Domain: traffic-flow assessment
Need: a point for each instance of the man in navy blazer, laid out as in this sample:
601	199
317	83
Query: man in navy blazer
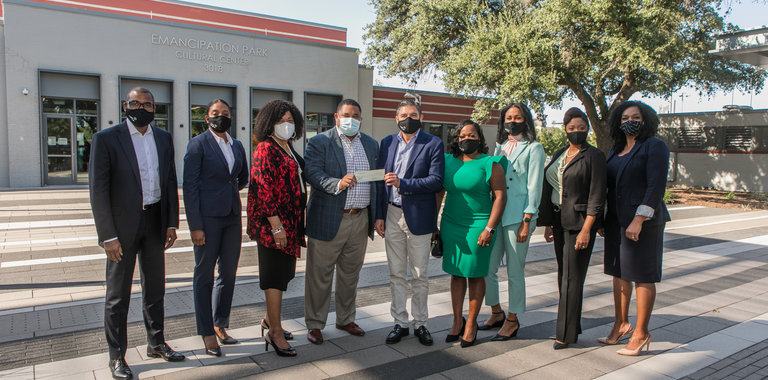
407	214
340	215
135	204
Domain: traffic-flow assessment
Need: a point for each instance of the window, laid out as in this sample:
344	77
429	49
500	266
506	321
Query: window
319	110
738	139
162	92
199	97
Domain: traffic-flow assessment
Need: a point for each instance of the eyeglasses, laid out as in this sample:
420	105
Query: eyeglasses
135	104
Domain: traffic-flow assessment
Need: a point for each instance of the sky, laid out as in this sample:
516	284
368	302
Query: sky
356	14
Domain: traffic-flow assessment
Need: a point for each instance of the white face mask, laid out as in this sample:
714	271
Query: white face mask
285	131
349	126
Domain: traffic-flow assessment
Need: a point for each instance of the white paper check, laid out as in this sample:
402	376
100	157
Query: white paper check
370	175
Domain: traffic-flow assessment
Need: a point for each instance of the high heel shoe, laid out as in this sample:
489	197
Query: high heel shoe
264	326
211	351
605	340
465	344
227	340
494	325
646	343
290	351
500	338
452	338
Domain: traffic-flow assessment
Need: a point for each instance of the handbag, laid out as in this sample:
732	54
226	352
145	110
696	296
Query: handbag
437	246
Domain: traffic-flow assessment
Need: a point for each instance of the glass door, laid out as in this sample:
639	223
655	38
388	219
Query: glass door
58	138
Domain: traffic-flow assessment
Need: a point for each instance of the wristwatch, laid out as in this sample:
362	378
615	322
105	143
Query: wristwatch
277	230
526	219
490	230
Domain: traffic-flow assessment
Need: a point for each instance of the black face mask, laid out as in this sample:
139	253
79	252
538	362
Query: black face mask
409	125
469	146
220	123
514	128
139	117
577	137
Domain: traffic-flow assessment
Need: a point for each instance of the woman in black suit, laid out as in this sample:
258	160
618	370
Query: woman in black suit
571	209
635	219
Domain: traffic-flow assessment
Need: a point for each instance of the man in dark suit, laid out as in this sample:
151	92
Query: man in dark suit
407	210
340	215
135	203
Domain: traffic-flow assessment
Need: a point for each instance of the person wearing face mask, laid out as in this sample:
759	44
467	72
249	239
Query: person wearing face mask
571	209
515	140
407	214
215	170
340	216
276	199
468	225
135	203
635	218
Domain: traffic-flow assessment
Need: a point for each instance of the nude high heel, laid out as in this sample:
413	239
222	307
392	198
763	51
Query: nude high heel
627	352
605	340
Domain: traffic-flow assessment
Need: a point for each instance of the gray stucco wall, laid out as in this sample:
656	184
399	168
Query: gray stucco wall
50	38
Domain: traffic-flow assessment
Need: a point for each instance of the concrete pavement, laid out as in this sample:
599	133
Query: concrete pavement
710	319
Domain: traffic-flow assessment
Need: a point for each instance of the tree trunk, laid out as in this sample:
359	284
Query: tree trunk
603	135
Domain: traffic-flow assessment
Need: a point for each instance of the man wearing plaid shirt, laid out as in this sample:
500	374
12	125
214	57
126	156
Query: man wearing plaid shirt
340	215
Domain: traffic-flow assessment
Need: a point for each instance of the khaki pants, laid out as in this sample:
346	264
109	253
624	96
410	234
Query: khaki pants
345	254
407	251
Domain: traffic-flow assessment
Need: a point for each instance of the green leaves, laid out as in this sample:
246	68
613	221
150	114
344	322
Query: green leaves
601	51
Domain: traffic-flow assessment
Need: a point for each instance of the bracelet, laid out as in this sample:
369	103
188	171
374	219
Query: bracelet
277	230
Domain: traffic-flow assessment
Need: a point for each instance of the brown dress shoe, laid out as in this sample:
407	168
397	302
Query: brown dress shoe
315	336
351	328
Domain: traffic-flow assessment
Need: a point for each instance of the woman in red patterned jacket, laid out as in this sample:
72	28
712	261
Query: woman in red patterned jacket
276	200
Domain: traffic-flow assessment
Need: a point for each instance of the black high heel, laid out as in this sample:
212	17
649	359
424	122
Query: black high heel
290	351
212	351
465	343
452	338
496	324
499	337
264	326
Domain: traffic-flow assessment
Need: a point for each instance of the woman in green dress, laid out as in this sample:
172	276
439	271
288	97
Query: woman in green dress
475	200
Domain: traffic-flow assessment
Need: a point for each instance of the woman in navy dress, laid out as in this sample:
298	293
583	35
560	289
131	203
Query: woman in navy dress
637	168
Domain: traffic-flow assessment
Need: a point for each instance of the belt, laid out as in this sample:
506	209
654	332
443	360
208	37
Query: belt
396	205
352	211
148	207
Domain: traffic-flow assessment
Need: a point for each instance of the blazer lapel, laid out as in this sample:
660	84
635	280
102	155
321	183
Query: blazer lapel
215	147
390	164
579	156
338	150
124	137
522	145
415	151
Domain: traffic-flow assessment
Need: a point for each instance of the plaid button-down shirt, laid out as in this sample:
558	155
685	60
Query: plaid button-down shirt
358	196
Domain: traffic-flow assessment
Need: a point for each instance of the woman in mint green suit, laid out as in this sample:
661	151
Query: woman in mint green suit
516	140
475	198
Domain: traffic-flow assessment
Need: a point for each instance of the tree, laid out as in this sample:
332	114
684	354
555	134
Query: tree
601	51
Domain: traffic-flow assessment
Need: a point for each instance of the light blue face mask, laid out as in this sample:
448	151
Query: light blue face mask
349	126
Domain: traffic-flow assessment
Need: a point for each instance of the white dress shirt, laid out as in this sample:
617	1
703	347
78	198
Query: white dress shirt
149	167
226	149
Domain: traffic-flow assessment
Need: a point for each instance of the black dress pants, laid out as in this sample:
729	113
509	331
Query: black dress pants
572	268
148	247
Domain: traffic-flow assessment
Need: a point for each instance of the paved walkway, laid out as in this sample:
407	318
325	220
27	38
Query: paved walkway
710	318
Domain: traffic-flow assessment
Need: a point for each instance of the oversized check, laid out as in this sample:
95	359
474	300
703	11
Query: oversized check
370	175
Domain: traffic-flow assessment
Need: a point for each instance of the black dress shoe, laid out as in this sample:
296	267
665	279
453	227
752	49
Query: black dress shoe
397	333
120	369
452	338
500	338
164	351
425	337
559	346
